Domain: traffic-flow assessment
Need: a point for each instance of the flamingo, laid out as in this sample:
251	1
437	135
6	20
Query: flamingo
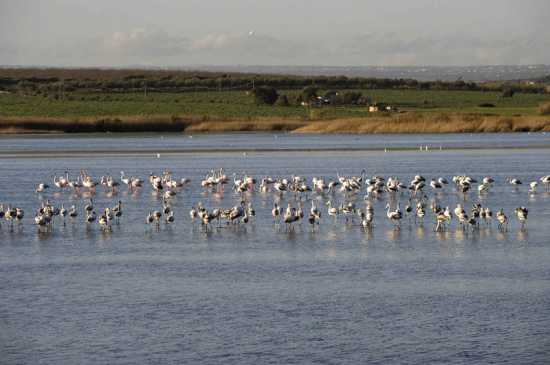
41	188
367	218
72	212
193	213
420	212
441	219
315	212
125	180
90	217
435	184
276	212
63	213
394	216
157	215
502	220
522	213
290	217
513	181
150	218
332	211
104	223
169	218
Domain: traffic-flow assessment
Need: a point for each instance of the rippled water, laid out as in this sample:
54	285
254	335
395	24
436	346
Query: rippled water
259	294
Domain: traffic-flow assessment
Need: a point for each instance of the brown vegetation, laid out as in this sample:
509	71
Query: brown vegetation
429	123
544	109
398	123
92	125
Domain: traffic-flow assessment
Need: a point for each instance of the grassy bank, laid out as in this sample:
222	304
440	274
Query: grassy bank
410	122
431	123
420	111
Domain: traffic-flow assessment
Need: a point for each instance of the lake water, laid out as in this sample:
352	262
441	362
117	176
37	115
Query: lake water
258	293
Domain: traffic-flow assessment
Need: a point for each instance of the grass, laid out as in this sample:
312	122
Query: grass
430	123
214	111
544	109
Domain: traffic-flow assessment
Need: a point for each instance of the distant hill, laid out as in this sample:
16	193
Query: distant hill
420	73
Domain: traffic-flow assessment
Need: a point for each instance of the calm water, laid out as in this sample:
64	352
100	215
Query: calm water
259	294
178	143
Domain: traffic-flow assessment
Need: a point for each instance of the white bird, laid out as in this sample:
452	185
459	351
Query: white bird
502	220
276	212
42	187
332	211
435	184
169	218
394	216
522	213
514	181
90	217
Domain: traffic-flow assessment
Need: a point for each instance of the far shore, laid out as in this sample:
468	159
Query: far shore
407	123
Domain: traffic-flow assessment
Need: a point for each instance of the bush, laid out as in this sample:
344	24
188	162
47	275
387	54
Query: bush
544	109
331	94
508	92
351	98
265	95
309	93
282	101
486	105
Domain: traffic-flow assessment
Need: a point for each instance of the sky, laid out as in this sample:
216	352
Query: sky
274	32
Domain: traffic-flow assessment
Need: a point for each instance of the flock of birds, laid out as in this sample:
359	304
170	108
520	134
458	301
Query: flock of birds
356	193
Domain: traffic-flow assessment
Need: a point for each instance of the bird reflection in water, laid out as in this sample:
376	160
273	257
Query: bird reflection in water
442	236
522	236
394	235
420	232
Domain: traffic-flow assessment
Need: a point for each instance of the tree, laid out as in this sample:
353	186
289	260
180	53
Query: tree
265	95
309	93
351	97
282	101
507	92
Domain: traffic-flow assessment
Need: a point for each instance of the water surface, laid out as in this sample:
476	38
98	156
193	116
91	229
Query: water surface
259	294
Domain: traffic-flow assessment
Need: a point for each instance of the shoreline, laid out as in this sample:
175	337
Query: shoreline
400	123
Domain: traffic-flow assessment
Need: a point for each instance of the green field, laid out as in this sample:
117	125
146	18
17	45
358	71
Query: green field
239	105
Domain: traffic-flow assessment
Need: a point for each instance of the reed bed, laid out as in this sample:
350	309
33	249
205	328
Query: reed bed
430	123
410	122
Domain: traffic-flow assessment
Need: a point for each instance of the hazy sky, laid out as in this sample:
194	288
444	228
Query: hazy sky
273	32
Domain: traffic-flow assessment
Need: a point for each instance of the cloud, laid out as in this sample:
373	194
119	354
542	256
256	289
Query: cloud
397	49
144	42
143	46
252	47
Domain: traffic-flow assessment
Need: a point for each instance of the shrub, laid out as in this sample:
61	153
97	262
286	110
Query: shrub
351	97
309	93
282	101
544	109
508	92
265	95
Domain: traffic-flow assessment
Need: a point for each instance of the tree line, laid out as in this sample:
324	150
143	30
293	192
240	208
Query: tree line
183	81
310	95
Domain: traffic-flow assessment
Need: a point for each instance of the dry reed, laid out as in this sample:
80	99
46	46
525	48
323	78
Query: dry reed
398	123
